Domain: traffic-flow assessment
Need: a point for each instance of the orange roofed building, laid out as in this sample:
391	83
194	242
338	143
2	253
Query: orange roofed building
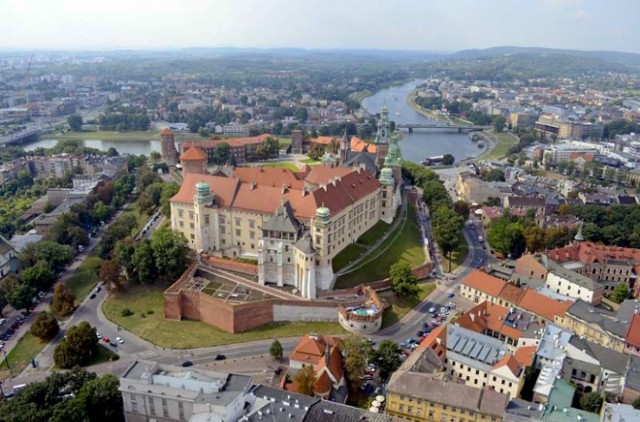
292	224
323	353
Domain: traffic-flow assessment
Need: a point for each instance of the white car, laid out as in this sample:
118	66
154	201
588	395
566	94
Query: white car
432	310
119	340
98	335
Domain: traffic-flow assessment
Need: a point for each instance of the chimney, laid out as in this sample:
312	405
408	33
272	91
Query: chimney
253	185
472	316
284	188
304	191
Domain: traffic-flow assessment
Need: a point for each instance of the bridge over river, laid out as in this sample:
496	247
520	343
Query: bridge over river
24	134
439	125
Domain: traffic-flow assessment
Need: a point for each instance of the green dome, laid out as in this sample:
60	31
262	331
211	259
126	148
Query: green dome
323	212
386	176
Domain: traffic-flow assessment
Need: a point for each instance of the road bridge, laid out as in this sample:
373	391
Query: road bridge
24	134
440	125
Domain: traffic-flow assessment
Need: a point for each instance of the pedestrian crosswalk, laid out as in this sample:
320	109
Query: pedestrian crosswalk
147	354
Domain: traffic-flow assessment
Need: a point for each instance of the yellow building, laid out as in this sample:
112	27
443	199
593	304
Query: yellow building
293	224
606	329
422	397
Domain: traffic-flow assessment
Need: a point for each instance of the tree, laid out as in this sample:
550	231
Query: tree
493	175
110	274
143	266
499	122
305	379
39	276
403	282
355	350
447	228
101	399
21	296
75	122
591	402
636	403
169	253
45	327
461	208
315	151
63	300
276	350
56	256
387	357
448	159
78	348
620	293
168	190
7	284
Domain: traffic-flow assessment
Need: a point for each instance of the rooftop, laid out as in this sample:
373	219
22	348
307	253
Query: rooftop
425	387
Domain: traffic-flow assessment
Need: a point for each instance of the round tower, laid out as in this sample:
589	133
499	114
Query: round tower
194	161
168	149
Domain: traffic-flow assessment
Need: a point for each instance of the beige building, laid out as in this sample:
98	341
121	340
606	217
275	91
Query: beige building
472	189
422	397
292	224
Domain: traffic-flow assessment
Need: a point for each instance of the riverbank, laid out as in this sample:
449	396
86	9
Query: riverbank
432	114
102	135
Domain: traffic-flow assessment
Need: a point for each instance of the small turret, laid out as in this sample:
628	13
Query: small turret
203	193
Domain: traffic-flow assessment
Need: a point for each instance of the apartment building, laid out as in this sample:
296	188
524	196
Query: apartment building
606	328
422	397
572	284
473	189
482	361
165	393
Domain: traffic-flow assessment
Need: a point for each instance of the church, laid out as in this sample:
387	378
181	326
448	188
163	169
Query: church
292	223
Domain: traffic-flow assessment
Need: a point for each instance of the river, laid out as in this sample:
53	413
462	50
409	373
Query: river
128	147
415	146
422	142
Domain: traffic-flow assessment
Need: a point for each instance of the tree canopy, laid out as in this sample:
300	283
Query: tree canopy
403	282
78	348
387	357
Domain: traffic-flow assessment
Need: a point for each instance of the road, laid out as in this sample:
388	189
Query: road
239	356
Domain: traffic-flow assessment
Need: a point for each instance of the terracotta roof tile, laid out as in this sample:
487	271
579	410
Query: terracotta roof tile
310	349
233	142
321	175
542	305
194	154
484	282
633	335
223	188
358	145
524	355
323	140
511	293
323	384
510	362
274	177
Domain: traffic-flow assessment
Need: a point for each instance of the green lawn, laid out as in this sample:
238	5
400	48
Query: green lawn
285	164
458	256
103	355
503	141
27	348
192	334
400	307
402	246
85	277
104	135
348	254
375	233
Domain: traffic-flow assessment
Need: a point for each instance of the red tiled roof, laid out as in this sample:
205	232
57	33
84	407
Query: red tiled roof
223	188
321	175
274	177
437	333
542	305
194	154
323	385
310	349
511	293
323	140
233	142
524	355
510	362
633	335
358	145
484	282
588	252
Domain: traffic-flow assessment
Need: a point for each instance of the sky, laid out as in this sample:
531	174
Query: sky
443	25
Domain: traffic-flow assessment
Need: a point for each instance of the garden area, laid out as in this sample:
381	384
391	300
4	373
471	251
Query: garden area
140	310
401	306
26	349
402	246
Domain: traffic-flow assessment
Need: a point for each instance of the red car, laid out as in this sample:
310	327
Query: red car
106	339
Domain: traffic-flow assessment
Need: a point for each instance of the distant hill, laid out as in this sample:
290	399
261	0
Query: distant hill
629	59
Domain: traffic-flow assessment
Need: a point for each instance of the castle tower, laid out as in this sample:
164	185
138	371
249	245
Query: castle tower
194	161
387	208
395	158
297	142
168	149
202	200
320	230
383	136
344	148
305	272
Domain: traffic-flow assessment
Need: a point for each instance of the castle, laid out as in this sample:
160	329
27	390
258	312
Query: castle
292	223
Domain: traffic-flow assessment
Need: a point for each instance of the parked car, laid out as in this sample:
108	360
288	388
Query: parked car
93	296
113	344
187	363
450	295
432	310
98	335
106	340
119	340
220	357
